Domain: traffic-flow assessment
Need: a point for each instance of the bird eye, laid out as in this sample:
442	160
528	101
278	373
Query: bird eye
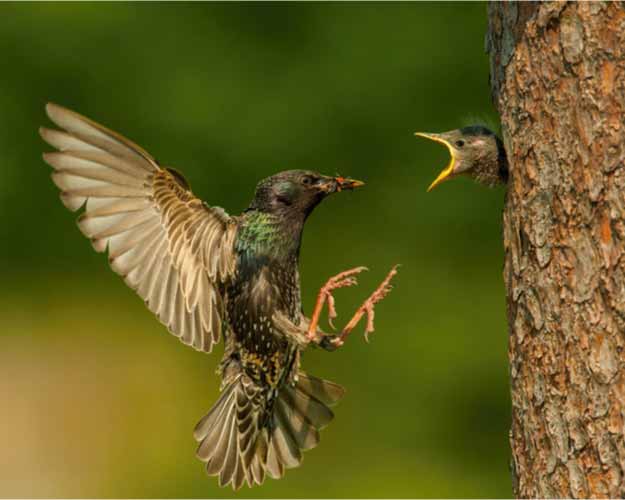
307	181
460	143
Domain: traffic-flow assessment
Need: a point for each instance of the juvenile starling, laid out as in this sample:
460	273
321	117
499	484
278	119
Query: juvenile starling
204	273
475	151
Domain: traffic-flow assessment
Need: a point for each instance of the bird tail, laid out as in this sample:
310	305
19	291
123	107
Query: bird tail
245	436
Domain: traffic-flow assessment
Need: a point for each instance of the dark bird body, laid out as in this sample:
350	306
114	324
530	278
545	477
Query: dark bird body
267	280
206	274
475	152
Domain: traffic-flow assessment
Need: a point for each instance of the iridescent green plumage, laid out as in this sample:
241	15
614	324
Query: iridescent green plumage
262	235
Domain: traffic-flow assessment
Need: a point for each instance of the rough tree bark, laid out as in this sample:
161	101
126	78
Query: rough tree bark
558	81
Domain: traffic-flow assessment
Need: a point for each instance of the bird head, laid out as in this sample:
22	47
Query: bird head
297	191
474	151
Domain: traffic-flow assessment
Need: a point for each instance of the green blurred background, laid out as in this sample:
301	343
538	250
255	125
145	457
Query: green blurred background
97	400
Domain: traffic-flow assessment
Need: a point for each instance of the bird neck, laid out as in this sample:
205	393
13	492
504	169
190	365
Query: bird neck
492	168
270	236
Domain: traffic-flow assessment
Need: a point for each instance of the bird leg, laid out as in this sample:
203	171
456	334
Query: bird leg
308	331
341	280
366	308
298	334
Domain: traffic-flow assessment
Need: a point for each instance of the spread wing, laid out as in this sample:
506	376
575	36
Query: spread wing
170	247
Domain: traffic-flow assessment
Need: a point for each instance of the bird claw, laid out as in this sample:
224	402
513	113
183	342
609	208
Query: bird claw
379	293
331	310
367	308
342	280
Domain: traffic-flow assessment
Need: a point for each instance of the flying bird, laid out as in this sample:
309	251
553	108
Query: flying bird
474	151
206	274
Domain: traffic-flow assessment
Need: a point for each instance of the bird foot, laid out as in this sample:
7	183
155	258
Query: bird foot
341	280
367	308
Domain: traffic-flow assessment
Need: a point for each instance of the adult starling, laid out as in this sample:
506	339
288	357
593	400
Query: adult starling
475	151
204	273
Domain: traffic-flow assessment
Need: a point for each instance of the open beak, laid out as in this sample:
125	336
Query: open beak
449	169
343	183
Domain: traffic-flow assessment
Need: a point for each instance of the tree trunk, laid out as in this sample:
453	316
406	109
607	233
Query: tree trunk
558	81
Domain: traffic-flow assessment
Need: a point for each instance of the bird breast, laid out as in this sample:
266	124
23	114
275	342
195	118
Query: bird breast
251	305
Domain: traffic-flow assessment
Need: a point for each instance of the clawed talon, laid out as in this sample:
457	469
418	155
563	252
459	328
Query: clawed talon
367	308
330	298
341	280
382	291
331	310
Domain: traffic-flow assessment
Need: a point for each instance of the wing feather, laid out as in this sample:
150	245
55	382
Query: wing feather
169	246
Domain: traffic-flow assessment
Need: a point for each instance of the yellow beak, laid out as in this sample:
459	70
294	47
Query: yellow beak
448	170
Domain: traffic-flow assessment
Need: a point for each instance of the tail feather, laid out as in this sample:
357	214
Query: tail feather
240	475
306	435
219	437
208	421
313	410
287	450
230	459
257	472
214	431
241	443
325	391
275	469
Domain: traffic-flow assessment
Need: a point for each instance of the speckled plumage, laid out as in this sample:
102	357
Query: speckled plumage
206	274
266	281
